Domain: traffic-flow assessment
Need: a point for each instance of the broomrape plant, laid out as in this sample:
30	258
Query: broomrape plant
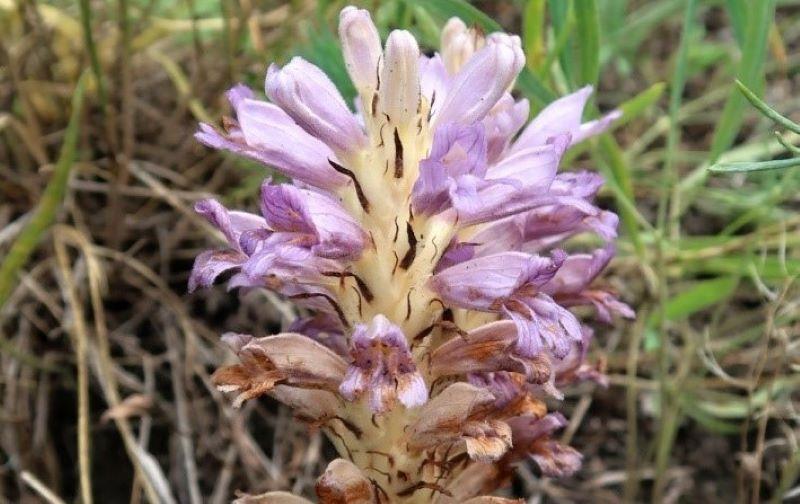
420	238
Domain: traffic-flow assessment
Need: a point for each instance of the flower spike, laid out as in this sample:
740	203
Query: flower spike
426	240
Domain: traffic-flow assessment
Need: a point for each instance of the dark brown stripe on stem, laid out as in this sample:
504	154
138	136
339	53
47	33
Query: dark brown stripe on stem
423	333
362	285
398	155
422	485
353	428
408	259
356	184
332	301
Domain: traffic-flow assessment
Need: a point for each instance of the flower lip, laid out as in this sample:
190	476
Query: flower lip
383	367
488	348
312	217
513	283
286	146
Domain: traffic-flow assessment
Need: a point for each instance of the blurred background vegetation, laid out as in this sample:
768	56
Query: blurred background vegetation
105	360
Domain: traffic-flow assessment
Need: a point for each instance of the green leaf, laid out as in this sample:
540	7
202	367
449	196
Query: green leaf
533	88
737	9
637	105
533	33
702	295
561	21
588	35
750	166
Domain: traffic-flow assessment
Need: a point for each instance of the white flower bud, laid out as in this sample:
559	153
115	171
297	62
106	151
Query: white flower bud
399	88
361	46
459	43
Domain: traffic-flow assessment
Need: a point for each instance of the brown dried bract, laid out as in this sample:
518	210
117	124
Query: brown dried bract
343	483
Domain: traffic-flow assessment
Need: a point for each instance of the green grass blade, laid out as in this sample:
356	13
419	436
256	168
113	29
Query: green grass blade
760	16
561	21
533	32
49	204
737	10
641	22
588	34
750	166
620	171
637	105
767	110
533	88
560	42
789	147
700	296
612	15
444	9
91	47
704	418
43	216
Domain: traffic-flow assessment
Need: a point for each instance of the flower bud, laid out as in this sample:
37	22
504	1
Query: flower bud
459	43
312	100
482	82
361	47
399	88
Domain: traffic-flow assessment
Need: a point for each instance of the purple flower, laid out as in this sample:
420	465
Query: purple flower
461	414
400	89
571	284
564	116
433	81
482	81
383	367
312	219
265	132
513	283
323	328
575	366
457	160
542	228
292	359
459	43
503	122
211	264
